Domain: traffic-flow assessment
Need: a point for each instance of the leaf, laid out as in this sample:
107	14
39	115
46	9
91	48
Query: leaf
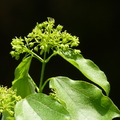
6	116
84	101
40	107
23	82
88	68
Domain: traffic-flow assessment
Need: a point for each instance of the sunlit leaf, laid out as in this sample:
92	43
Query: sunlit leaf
40	107
84	101
88	68
23	82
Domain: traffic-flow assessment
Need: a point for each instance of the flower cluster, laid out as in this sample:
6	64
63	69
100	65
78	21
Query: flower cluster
43	38
8	100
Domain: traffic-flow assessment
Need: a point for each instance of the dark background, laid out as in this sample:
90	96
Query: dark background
96	23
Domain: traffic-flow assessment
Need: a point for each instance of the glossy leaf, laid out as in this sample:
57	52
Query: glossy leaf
84	101
23	82
40	107
88	68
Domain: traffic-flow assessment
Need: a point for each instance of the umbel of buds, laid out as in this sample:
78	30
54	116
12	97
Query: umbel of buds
8	99
43	38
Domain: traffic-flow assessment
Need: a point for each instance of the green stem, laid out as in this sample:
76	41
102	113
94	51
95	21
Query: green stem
42	73
35	55
54	53
44	84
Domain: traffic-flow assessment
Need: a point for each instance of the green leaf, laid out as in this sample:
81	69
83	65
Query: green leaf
40	107
88	68
7	116
84	101
23	82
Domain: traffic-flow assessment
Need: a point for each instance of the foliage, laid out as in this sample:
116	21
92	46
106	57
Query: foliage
69	99
8	99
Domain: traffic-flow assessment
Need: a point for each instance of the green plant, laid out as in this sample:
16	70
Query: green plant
8	99
69	99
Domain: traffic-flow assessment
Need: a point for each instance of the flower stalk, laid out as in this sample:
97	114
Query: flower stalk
42	73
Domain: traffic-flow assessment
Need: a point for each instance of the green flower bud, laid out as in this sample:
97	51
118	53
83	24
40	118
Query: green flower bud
31	44
43	38
8	99
36	48
59	27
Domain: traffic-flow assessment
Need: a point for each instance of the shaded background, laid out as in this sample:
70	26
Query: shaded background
96	23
